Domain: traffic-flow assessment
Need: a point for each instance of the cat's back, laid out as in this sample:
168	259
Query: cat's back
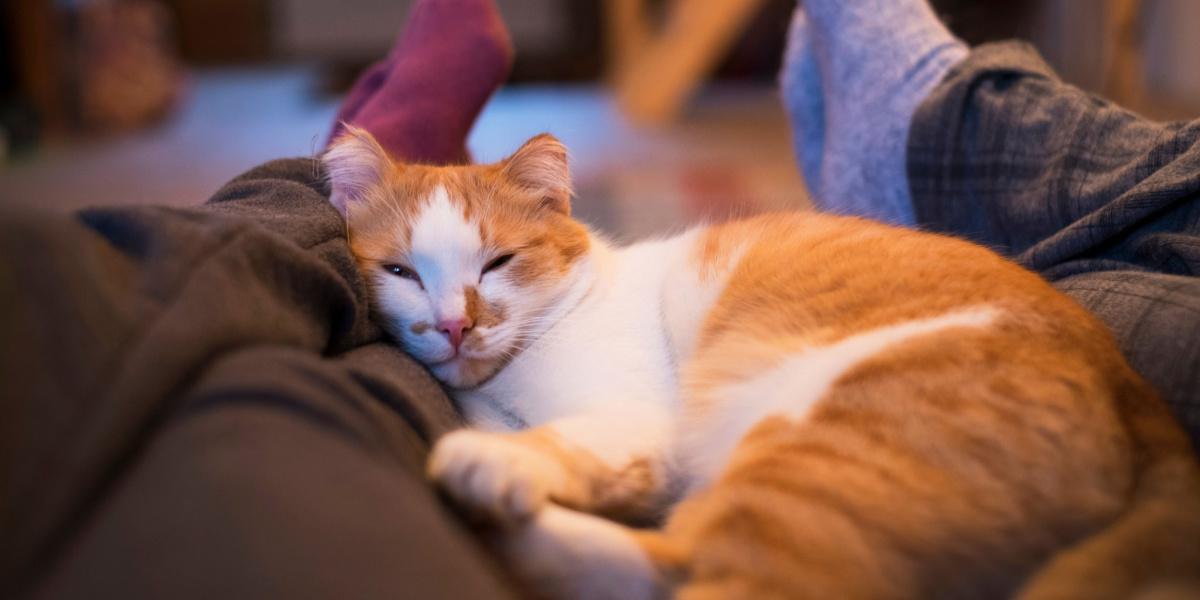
858	295
809	280
807	271
887	364
776	286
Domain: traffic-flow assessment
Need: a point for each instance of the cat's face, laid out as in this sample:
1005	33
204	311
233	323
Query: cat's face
462	261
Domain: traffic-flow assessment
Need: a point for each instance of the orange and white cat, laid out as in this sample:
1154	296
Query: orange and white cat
822	406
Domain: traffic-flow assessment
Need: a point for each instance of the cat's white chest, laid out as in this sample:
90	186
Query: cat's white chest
613	351
588	363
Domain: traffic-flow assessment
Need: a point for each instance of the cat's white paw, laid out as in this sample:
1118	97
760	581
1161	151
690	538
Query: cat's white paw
492	475
565	554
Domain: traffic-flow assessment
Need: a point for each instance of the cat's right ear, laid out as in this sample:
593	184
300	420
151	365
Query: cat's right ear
355	163
540	166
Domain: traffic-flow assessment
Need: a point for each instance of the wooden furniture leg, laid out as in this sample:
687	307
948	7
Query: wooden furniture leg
655	72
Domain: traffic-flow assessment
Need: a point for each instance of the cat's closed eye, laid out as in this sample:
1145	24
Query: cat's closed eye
403	272
496	263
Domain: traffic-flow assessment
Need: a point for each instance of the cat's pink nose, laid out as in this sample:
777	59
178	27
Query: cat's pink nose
454	329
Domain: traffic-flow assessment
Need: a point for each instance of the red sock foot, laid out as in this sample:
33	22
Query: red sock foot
450	58
365	86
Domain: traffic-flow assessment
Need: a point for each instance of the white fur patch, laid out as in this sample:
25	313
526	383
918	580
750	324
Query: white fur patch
606	355
795	385
688	295
618	437
568	554
446	253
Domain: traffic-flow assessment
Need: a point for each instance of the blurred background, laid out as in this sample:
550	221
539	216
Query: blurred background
669	107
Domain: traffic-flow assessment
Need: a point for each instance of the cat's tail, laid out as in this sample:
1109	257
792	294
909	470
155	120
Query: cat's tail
563	553
1152	550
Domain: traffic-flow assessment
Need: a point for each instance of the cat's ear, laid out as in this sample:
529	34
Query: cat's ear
355	163
540	166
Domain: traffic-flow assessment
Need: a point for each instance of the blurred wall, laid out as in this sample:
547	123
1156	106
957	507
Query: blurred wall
1071	34
1171	36
365	29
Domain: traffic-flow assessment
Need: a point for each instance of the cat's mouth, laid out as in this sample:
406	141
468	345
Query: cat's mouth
468	352
457	355
462	372
465	370
463	359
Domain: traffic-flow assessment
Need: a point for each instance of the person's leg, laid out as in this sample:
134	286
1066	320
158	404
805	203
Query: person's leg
892	122
853	74
421	101
282	474
1004	153
143	345
196	404
365	86
997	149
1156	320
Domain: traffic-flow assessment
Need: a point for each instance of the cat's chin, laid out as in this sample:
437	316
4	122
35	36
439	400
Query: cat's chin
462	372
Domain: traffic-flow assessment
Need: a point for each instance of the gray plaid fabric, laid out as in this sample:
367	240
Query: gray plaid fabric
1099	200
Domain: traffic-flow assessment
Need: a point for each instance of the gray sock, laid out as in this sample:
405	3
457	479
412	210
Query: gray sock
854	73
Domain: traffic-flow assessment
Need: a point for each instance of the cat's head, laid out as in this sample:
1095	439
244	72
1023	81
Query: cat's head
463	261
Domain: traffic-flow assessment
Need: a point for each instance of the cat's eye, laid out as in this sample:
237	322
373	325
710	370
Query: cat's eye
497	262
402	271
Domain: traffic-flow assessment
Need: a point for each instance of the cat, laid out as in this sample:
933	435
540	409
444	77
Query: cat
821	406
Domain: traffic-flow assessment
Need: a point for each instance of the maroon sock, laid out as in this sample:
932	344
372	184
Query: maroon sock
449	59
365	86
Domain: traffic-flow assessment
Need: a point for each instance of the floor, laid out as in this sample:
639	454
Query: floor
730	154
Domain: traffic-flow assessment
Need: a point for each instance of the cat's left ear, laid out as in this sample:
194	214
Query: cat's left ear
356	164
540	166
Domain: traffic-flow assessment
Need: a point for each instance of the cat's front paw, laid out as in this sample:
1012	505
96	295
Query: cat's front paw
493	475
